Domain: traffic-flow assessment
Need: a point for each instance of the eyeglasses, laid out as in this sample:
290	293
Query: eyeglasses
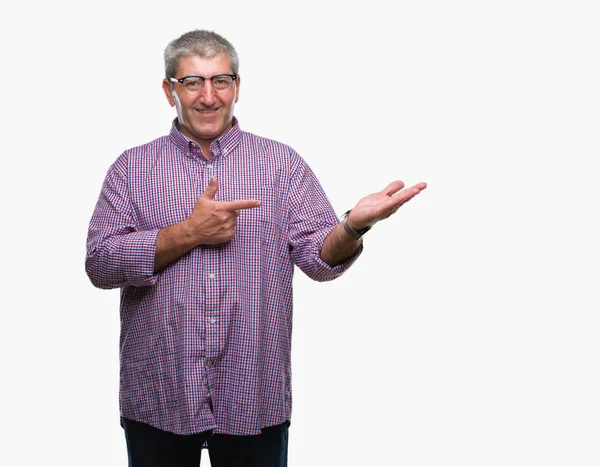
193	85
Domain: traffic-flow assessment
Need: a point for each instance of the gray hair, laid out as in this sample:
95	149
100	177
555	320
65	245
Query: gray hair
202	43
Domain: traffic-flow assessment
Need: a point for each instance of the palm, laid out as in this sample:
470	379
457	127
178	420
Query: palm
377	206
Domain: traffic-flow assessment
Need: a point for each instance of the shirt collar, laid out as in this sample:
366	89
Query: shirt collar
220	147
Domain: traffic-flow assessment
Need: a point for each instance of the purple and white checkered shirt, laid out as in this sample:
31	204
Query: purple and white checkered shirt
205	343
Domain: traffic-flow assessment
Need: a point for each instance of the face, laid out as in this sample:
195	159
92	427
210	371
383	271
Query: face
206	116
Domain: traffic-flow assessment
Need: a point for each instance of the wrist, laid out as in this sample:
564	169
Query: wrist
188	233
354	232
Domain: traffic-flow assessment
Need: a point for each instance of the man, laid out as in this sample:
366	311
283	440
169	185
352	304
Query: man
201	230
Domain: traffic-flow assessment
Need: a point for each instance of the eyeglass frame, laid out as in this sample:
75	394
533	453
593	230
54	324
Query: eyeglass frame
233	76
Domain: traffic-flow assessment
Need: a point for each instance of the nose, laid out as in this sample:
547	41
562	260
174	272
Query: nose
207	95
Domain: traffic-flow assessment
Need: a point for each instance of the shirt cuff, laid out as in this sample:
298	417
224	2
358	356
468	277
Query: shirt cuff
138	250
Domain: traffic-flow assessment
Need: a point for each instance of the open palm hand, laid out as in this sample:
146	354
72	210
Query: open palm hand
381	205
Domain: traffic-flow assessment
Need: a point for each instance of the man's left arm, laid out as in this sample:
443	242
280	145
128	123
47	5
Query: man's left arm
342	242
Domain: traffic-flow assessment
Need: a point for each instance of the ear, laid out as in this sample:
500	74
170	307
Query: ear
237	88
166	85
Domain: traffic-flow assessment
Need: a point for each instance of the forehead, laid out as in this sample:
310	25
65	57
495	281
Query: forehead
194	65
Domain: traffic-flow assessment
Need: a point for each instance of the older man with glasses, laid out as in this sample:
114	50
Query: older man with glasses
201	230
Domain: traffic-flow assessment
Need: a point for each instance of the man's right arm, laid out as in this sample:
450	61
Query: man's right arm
119	254
211	222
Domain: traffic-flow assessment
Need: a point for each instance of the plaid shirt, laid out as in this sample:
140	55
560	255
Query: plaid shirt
205	343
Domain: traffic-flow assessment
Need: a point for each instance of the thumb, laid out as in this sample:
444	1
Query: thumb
211	189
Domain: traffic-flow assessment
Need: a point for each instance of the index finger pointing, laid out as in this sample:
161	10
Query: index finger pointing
240	204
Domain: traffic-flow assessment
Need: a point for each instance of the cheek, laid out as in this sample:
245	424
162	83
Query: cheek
232	100
181	107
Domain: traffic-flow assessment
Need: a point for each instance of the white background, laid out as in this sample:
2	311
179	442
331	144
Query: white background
466	334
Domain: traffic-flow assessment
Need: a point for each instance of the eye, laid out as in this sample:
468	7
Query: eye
222	82
192	83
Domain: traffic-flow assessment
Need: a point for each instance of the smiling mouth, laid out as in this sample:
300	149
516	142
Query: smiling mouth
206	111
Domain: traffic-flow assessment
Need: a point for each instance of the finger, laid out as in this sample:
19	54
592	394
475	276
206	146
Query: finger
211	189
240	204
420	186
393	187
410	192
394	202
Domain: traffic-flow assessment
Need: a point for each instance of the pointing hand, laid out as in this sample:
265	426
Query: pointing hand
213	222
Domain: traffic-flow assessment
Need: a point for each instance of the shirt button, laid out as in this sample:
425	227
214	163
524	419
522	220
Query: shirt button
211	276
212	320
209	166
209	363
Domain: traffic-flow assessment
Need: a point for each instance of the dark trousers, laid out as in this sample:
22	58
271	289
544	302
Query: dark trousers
150	447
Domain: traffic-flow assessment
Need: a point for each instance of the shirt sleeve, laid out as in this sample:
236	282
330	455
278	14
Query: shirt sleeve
312	218
118	254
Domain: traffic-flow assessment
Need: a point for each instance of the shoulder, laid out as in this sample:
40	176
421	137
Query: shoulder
153	147
139	158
